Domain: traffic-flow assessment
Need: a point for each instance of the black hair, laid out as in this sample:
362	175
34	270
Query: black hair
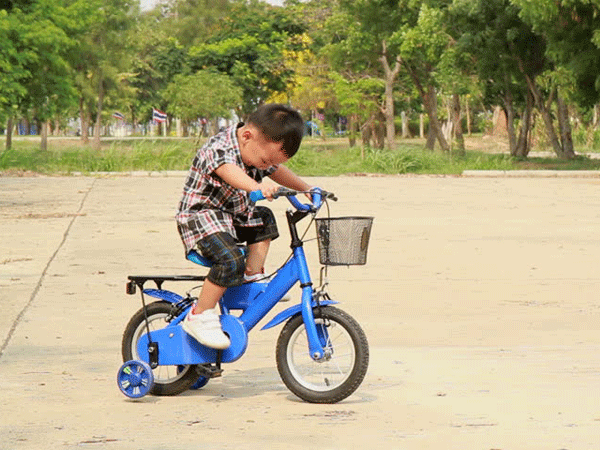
279	123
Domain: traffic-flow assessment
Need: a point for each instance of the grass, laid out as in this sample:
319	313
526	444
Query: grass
66	156
315	158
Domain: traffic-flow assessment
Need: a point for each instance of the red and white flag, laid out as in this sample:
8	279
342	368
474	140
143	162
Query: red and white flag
158	116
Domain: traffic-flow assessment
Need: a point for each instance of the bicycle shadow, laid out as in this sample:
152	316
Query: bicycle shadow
239	384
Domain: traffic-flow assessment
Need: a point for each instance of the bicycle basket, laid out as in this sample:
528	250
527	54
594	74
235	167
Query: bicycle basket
343	241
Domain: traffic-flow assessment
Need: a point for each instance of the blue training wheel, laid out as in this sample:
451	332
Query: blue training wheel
135	379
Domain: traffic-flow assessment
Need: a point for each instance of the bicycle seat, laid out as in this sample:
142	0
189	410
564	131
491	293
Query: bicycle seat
197	258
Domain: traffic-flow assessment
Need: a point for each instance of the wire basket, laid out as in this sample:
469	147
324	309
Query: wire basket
343	241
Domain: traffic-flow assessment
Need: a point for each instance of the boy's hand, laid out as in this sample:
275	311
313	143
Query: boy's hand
268	190
309	195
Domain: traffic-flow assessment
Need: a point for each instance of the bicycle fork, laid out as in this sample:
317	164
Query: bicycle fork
315	342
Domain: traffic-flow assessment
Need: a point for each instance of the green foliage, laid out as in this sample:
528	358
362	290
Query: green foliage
203	94
249	47
34	71
569	29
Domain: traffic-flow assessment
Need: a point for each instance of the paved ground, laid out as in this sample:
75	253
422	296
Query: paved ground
479	299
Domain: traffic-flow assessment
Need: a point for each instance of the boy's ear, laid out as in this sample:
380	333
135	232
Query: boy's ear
247	134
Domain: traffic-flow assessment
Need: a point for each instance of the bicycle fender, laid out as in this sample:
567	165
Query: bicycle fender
292	311
176	347
162	294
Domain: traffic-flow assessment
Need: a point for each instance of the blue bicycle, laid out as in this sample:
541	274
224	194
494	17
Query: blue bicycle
322	353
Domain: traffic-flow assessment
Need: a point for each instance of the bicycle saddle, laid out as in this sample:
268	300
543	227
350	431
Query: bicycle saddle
197	258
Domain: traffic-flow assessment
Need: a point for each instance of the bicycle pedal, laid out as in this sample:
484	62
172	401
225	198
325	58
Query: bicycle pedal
209	371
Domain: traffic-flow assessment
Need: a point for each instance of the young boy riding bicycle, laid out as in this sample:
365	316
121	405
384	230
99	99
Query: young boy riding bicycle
215	212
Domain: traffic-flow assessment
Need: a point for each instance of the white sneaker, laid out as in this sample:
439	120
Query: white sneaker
256	278
206	329
262	278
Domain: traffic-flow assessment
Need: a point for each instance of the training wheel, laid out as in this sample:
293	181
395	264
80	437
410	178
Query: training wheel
135	379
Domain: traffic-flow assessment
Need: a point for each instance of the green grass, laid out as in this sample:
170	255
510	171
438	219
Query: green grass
315	158
68	156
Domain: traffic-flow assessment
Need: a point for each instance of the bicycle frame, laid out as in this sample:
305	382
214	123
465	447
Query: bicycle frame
255	300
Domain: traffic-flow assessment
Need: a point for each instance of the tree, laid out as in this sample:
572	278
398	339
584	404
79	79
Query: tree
342	74
422	44
203	94
570	30
35	60
101	56
358	100
249	47
379	21
12	72
490	34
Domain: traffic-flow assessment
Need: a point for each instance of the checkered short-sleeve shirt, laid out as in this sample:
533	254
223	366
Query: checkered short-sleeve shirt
209	205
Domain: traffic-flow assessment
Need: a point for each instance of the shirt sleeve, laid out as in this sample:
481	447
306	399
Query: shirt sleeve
214	157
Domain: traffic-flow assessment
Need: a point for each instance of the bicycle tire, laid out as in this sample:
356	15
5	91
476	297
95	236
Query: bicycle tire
336	376
168	380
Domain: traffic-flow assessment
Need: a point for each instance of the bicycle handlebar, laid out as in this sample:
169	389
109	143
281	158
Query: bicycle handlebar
317	198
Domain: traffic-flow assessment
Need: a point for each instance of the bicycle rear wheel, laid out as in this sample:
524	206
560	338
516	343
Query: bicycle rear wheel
168	380
339	373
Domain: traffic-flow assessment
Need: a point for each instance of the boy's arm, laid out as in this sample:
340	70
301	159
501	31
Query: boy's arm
236	177
289	179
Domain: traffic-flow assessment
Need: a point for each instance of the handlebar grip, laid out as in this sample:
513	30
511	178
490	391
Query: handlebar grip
318	196
281	192
256	196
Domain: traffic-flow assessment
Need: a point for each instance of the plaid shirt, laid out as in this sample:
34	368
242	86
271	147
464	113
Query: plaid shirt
209	205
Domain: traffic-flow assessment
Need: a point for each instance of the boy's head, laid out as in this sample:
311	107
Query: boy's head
279	123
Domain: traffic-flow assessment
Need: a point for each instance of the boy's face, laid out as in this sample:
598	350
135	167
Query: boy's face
257	151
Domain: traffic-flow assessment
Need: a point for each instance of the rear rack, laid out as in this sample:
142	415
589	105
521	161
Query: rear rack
140	280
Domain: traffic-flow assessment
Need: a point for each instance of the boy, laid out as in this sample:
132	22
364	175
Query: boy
215	208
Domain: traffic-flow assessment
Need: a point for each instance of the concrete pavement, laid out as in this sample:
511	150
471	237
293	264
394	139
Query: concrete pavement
479	300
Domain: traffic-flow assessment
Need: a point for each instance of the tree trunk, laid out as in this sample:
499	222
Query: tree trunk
565	128
84	118
405	129
546	115
434	123
352	124
510	122
44	135
430	143
390	76
98	126
468	113
523	145
9	131
421	126
456	119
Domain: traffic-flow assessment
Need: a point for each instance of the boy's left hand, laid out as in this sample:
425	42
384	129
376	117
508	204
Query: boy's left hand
268	190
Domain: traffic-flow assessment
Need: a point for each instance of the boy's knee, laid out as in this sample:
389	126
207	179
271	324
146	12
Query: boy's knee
229	261
233	267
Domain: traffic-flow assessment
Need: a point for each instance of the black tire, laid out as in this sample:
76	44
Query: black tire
168	380
335	377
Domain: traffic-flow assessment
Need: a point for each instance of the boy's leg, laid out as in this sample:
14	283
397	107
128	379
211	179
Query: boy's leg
259	239
257	255
202	322
209	296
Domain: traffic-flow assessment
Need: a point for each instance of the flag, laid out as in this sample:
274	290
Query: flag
158	116
118	115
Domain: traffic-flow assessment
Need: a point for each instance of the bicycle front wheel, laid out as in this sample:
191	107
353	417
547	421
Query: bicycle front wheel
339	373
